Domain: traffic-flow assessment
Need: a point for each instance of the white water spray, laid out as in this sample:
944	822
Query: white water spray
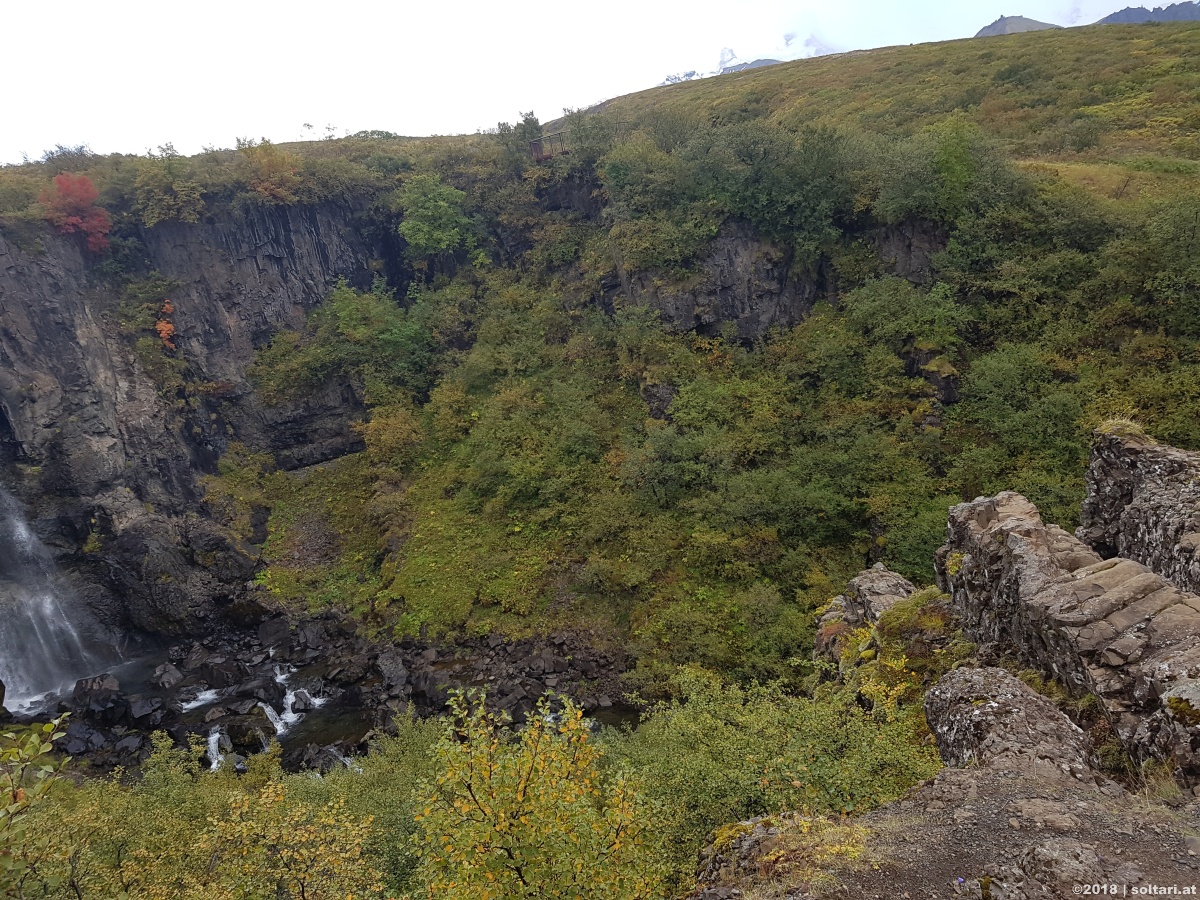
204	698
47	641
276	721
215	756
282	722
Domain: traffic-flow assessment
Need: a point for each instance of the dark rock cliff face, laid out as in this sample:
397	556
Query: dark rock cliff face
1143	503
744	280
245	277
95	448
908	249
750	282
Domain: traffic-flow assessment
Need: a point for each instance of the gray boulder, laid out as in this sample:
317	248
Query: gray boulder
986	716
869	594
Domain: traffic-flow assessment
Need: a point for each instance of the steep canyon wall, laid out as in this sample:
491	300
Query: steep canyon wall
95	447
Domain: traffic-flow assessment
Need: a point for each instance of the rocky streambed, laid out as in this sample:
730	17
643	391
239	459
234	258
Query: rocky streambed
321	689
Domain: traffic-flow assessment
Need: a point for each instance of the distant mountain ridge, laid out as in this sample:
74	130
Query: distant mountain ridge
729	63
1136	15
1186	11
1014	25
753	64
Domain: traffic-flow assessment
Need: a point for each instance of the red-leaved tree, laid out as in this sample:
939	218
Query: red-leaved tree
71	207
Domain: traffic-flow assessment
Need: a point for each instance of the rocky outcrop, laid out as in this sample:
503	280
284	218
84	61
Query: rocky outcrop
985	716
1111	628
1143	503
1019	814
868	595
907	249
744	280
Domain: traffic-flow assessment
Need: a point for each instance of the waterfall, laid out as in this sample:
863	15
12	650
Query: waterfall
276	721
281	722
215	756
47	640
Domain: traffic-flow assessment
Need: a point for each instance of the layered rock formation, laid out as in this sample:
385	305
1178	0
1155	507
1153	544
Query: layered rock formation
1111	628
1143	503
1021	812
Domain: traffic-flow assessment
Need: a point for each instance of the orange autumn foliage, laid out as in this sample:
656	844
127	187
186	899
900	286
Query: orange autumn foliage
166	331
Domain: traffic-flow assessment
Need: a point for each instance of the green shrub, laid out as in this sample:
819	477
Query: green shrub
531	814
434	219
721	754
366	336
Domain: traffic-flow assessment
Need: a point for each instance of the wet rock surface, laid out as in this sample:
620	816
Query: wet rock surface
1143	503
323	690
1111	628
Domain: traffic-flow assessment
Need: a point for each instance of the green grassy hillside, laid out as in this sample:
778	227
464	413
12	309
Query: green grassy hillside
1110	102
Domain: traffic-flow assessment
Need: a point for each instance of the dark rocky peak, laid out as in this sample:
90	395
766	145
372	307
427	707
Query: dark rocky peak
1137	15
1013	25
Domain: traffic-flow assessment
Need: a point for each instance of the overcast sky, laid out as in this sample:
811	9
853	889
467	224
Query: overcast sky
130	75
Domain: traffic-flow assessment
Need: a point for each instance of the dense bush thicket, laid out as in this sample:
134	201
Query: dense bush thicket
533	458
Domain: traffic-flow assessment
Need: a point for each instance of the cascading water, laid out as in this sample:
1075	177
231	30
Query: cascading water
47	641
281	722
204	698
215	756
276	721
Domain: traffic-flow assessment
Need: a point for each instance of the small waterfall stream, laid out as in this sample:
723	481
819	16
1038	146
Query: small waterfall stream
47	641
282	722
215	756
